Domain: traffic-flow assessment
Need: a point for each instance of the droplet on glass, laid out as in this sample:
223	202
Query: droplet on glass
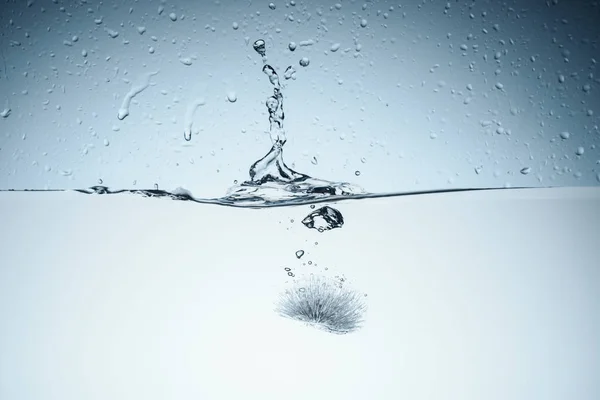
232	97
299	254
292	46
580	150
259	47
304	61
525	170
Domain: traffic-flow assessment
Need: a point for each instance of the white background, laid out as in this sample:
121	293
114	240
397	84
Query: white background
471	295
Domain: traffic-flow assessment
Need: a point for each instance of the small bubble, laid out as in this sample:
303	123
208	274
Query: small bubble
299	254
100	182
310	263
357	173
291	274
156	186
287	269
312	206
304	61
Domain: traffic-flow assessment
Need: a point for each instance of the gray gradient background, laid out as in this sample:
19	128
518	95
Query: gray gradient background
403	103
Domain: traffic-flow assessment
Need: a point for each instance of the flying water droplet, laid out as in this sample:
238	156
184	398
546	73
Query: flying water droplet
325	218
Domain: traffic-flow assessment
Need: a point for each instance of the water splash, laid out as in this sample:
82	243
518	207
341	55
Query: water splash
271	180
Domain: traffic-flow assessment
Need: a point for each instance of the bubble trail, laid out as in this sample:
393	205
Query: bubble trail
189	116
136	89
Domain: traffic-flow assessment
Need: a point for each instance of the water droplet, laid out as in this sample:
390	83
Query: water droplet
363	23
287	269
357	173
561	78
235	26
565	135
232	97
586	88
186	61
335	47
299	253
291	274
525	170
259	47
141	29
5	113
100	182
272	6
499	86
324	218
289	72
304	61
580	151
292	46
106	142
173	17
